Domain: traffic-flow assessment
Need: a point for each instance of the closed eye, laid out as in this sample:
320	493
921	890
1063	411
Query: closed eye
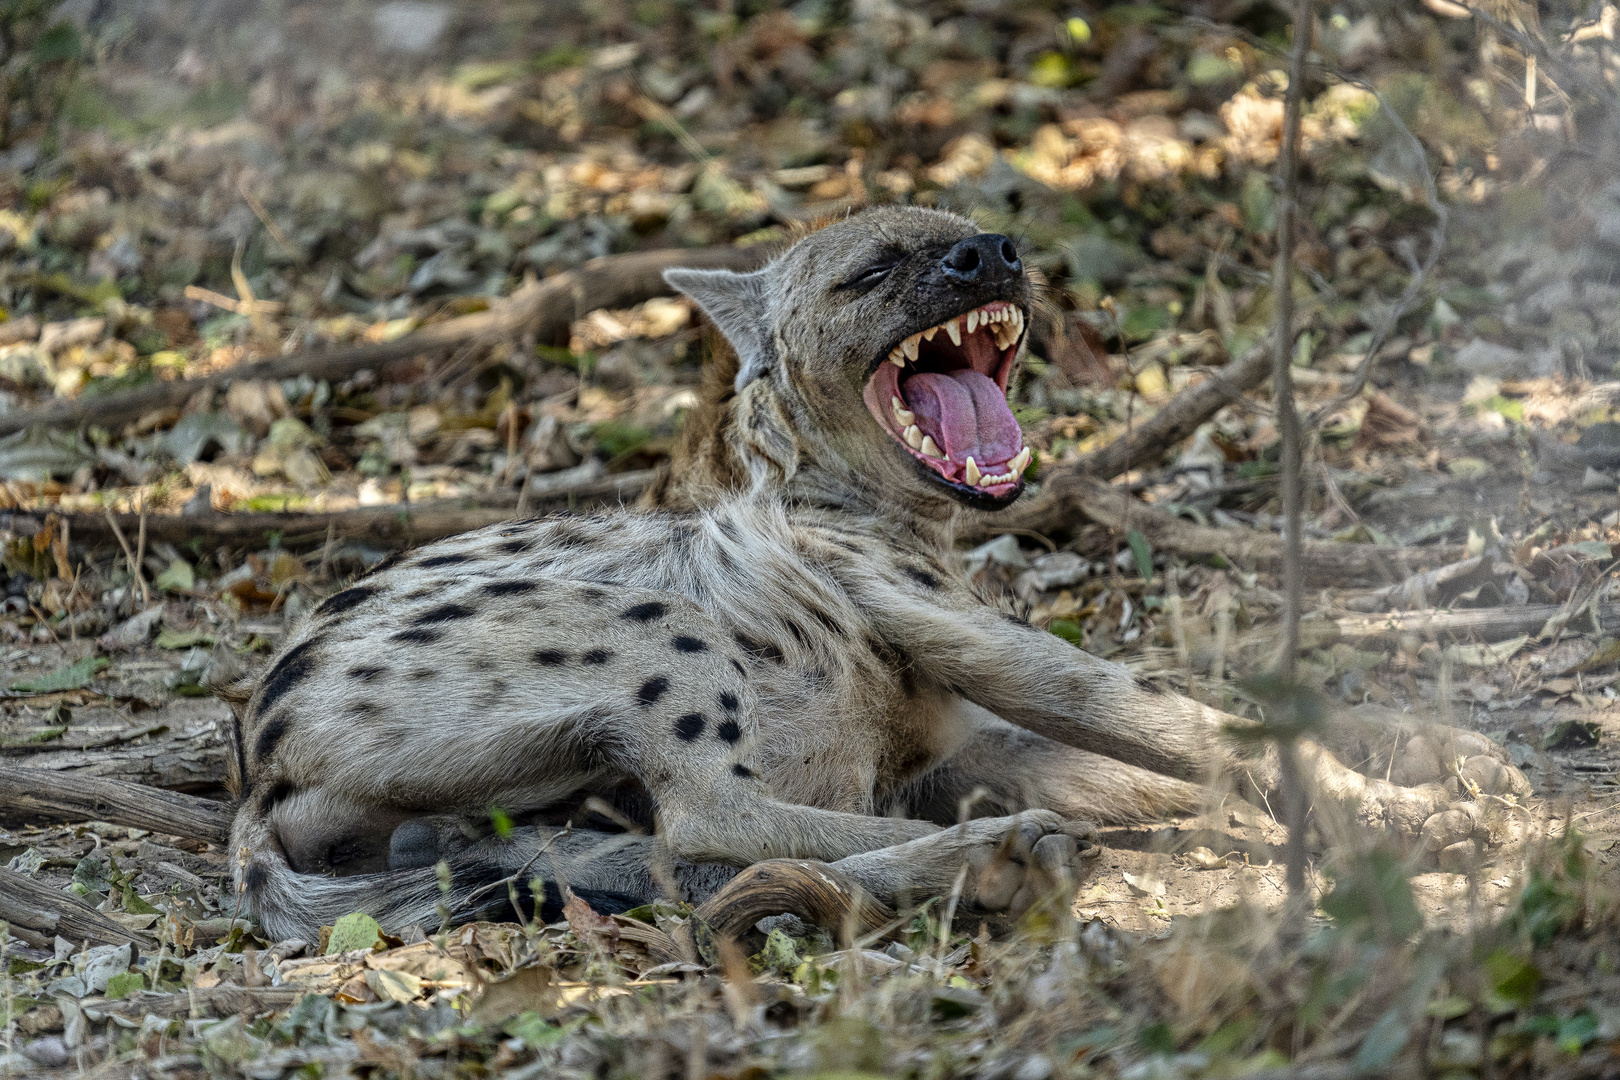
870	276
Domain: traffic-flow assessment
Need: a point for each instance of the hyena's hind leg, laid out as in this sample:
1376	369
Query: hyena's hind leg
1004	769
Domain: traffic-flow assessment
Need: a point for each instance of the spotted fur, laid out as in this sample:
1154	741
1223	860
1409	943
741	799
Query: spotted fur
775	652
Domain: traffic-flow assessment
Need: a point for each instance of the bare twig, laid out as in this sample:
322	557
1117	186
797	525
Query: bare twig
1431	197
1282	394
545	308
134	567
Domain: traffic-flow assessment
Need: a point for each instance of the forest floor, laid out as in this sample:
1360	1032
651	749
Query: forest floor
186	189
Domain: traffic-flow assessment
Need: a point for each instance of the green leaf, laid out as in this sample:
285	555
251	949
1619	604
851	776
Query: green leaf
134	905
179	577
125	983
1069	631
1513	978
73	677
354	931
1576	1032
1372	895
60	42
501	821
90	874
1383	1042
183	639
1141	552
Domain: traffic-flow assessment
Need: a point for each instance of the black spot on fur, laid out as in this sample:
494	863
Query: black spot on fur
1148	687
728	701
443	560
510	588
652	689
422	674
348	598
269	737
549	657
647	612
513	547
689	727
853	549
1016	620
598	656
366	710
761	650
921	576
592	594
828	621
366	674
386	564
444	613
293	668
742	770
729	731
793	628
686	644
256	878
274	795
418	637
740	669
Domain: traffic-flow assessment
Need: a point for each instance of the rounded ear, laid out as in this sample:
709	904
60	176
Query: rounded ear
735	304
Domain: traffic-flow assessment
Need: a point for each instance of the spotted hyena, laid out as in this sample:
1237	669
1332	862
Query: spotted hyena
777	658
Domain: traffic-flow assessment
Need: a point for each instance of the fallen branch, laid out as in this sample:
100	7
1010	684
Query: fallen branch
190	756
1468	624
1326	562
544	308
30	795
214	1001
1053	506
394	525
38	914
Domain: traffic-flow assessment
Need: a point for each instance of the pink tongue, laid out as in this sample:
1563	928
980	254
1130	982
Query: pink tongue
966	413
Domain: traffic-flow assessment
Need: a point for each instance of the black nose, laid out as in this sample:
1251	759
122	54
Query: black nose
982	258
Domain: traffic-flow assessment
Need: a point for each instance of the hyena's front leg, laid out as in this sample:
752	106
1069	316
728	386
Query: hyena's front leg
1040	682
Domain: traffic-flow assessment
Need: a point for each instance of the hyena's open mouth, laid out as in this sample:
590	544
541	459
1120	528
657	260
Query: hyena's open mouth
942	394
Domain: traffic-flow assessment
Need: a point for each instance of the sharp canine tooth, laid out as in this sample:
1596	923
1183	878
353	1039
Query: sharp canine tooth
914	438
1021	462
929	447
972	473
928	334
955	332
911	345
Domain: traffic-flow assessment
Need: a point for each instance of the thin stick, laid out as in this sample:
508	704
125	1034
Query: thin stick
140	553
1282	390
134	567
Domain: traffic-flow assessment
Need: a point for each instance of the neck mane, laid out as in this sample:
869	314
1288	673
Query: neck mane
732	445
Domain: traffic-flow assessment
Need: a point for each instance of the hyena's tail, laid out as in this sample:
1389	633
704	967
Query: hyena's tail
290	904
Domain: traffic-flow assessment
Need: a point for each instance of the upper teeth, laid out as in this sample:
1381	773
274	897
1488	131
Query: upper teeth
1005	323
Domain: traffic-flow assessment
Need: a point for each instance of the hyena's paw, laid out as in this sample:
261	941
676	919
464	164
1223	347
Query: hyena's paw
1013	862
1448	789
1440	755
